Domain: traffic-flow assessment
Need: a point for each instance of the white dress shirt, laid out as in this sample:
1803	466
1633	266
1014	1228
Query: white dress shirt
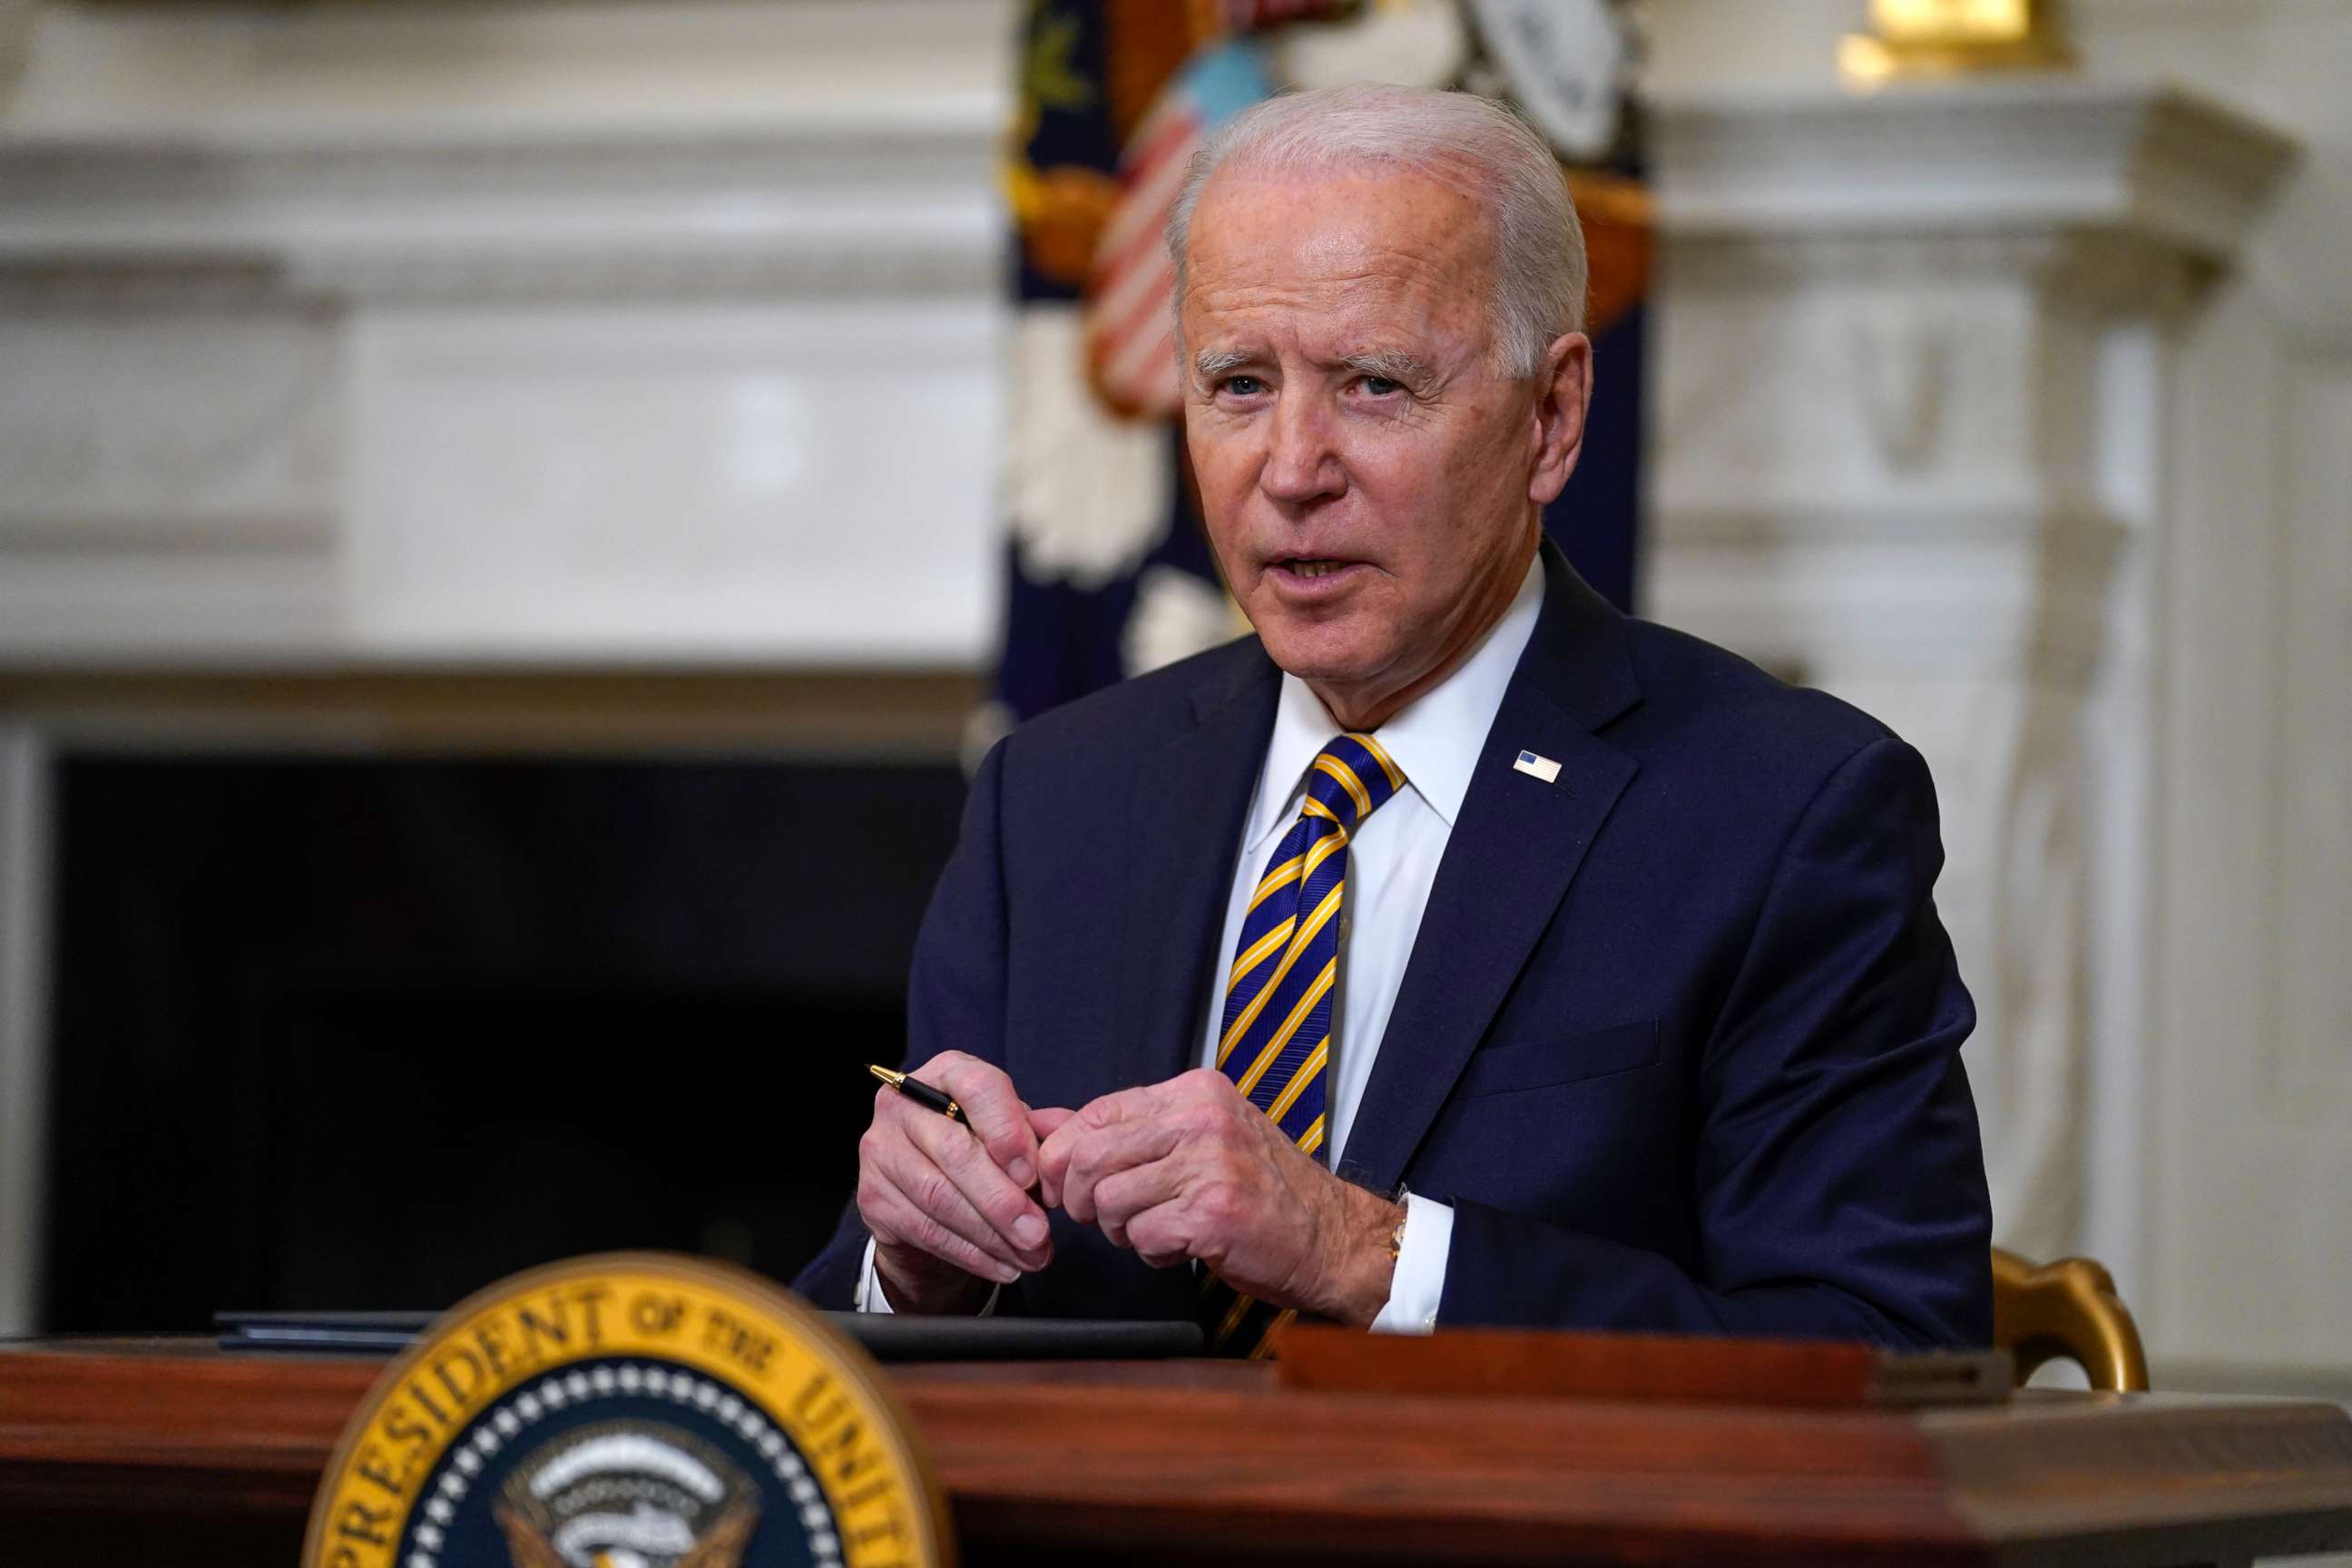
1392	861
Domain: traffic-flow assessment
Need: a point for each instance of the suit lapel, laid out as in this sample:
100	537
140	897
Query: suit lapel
1514	850
1189	798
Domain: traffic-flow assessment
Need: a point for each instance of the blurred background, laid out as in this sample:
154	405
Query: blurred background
514	518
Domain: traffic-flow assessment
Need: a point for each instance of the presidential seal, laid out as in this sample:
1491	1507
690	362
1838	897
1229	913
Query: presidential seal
630	1411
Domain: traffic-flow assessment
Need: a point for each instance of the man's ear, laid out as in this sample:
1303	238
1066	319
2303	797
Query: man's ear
1563	392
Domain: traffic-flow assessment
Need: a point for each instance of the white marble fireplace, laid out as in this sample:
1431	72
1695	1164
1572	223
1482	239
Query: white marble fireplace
599	378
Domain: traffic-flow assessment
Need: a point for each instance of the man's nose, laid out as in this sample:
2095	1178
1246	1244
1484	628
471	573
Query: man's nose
1302	465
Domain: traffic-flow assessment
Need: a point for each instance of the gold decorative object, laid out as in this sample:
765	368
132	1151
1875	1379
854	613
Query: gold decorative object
1949	38
2067	1310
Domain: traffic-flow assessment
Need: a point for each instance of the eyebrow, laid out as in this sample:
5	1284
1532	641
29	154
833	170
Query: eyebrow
1389	365
1210	363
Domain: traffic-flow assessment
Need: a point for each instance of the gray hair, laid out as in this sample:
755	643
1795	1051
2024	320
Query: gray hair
1468	143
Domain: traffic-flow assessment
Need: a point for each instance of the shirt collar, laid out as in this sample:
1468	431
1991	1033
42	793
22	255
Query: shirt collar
1435	740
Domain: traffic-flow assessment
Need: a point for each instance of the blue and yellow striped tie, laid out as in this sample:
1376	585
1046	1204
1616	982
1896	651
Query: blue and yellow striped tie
1276	1041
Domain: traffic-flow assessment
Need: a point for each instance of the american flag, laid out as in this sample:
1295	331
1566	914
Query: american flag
1130	292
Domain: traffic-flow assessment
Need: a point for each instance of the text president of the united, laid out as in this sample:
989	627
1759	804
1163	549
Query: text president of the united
1598	962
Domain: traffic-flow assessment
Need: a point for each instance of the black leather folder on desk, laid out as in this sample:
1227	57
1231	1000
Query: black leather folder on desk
885	1337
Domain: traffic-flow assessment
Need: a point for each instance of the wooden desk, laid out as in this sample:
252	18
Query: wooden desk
163	1452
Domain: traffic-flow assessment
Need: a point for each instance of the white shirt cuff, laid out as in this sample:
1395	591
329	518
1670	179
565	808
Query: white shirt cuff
1420	1280
872	1297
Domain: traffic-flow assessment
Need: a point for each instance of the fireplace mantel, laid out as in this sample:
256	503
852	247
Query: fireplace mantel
566	336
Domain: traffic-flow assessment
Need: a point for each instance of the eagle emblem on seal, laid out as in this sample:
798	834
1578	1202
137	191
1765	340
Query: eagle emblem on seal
632	1494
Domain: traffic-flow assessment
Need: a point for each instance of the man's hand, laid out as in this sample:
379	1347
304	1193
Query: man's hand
947	1205
1189	1168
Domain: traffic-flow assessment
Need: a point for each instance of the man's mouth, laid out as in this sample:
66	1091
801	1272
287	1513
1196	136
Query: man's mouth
1309	579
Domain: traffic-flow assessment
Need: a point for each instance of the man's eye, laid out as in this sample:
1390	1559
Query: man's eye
1244	385
1380	386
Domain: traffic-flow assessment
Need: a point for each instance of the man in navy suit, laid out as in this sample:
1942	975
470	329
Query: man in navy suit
1457	950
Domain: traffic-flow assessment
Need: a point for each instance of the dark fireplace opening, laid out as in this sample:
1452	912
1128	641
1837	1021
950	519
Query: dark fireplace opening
335	1033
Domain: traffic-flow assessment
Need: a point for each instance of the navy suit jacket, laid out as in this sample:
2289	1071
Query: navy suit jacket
1679	1038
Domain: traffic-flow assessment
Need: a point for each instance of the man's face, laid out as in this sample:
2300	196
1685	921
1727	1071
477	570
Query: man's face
1368	478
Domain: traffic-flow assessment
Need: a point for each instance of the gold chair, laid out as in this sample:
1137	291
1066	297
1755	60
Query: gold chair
2067	1310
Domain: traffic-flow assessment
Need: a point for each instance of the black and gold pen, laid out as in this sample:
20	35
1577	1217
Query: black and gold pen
919	1091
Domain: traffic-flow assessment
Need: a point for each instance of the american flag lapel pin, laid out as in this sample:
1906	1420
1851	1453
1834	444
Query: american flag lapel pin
1535	766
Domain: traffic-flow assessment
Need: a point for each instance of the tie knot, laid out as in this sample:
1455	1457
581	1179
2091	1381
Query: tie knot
1352	778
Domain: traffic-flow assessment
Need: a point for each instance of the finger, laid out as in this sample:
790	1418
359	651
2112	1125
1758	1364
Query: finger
987	1191
894	1220
1105	1151
993	1110
933	1193
1054	1157
1045	1124
915	1148
1123	1194
1161	1234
